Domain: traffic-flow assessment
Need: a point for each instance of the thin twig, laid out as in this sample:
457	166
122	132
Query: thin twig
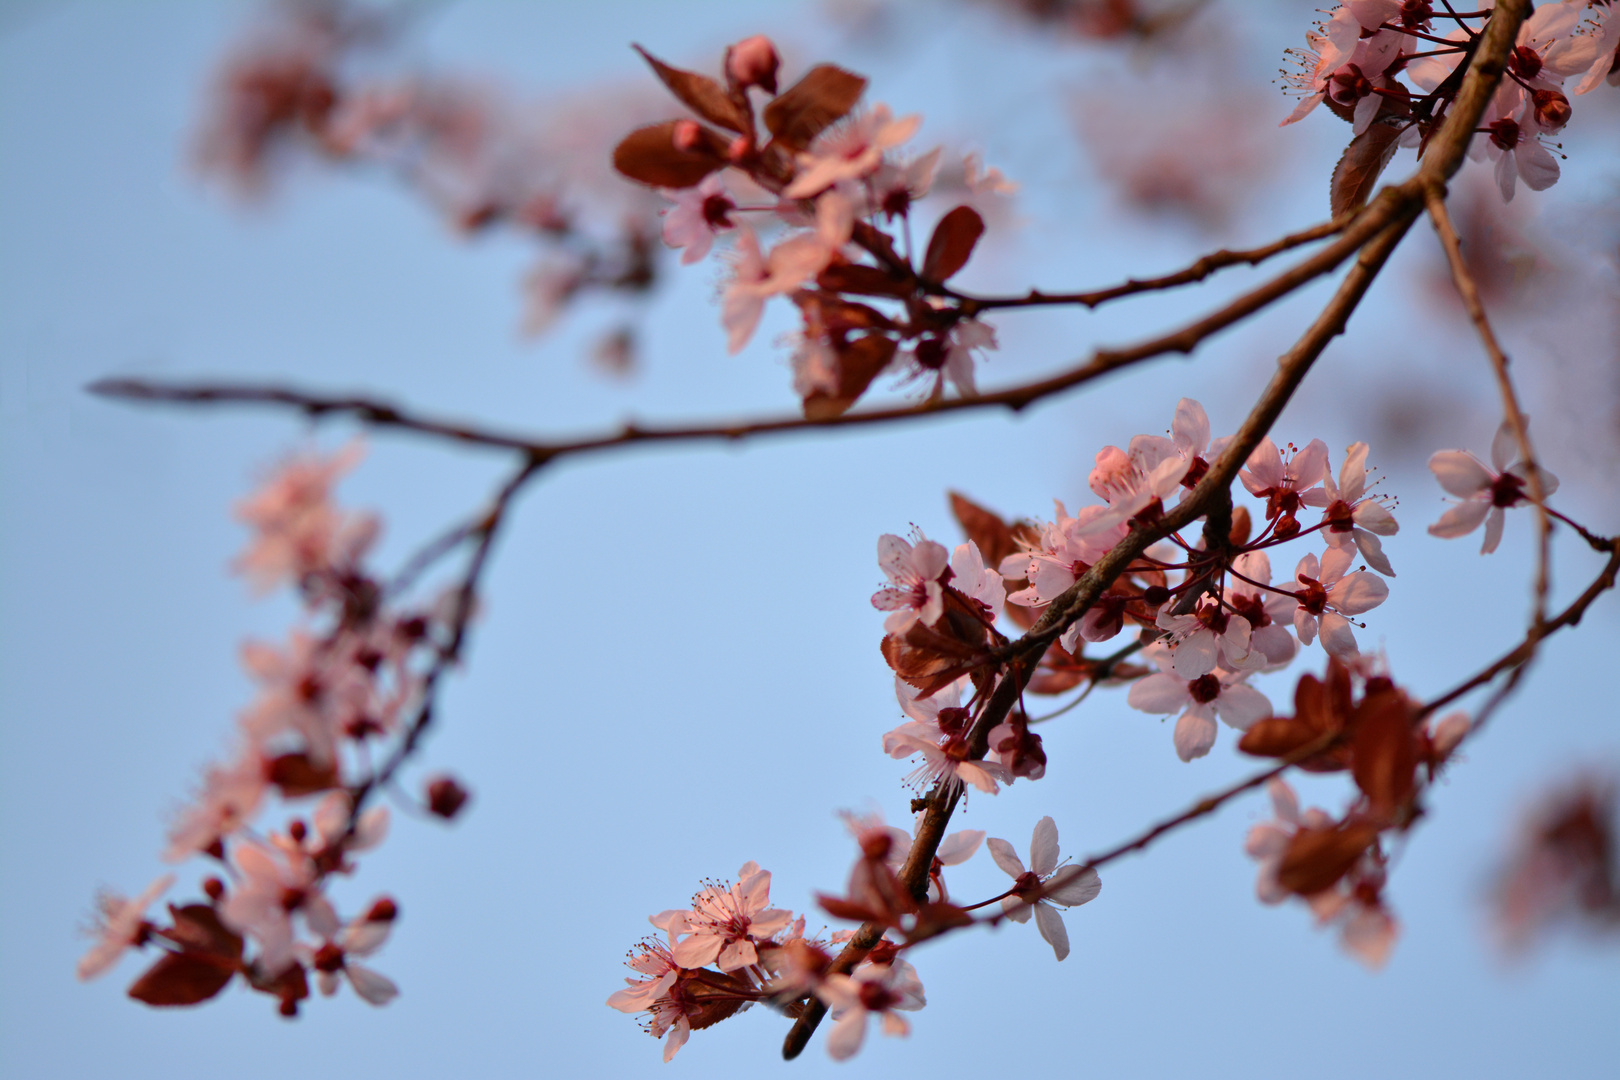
1469	291
1198	271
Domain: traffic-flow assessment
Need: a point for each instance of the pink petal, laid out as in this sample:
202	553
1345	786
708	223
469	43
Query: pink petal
1005	857
1461	519
1195	735
1493	531
1460	473
1043	847
1242	705
372	987
1337	637
1159	693
1052	929
1072	886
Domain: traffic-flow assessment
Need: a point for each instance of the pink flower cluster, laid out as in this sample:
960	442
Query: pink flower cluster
1213	616
330	700
1355	58
834	184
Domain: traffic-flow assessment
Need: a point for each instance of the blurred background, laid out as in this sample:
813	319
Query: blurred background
677	670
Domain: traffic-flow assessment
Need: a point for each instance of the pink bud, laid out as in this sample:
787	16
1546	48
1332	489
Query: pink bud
686	134
753	62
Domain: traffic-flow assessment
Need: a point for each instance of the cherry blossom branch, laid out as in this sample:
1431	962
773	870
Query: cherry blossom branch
1198	271
1377	230
1469	291
449	651
1103	361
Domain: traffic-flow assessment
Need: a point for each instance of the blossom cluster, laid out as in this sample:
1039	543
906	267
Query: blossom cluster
1355	58
331	699
1208	617
729	949
834	182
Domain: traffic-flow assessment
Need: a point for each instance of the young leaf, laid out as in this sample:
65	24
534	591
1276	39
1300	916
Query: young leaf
858	364
701	94
1359	169
806	108
952	243
649	156
181	979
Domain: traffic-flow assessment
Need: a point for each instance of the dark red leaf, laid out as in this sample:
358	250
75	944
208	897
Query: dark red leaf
649	156
1384	752
952	243
296	775
181	979
1317	858
806	108
858	364
862	280
1357	173
197	927
701	94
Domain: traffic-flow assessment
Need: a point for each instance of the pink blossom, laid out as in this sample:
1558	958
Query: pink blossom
955	849
895	186
1268	612
915	570
1352	517
1202	640
1329	595
1519	154
297	529
230	798
1283	480
725	923
272	887
360	937
120	924
698	214
1044	884
656	995
1200	701
792	262
1068	547
1485	492
873	990
973	579
849	150
1134	483
1328	50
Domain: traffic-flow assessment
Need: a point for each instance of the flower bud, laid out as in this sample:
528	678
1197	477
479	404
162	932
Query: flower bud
445	797
1552	108
753	62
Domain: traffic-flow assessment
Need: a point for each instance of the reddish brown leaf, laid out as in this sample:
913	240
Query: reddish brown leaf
649	155
996	538
297	775
712	996
937	918
1242	525
952	243
1384	752
1276	736
806	108
1317	858
839	908
181	979
701	94
862	280
197	927
1358	170
858	364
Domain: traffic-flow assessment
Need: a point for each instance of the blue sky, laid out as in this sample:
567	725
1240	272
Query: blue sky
677	671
